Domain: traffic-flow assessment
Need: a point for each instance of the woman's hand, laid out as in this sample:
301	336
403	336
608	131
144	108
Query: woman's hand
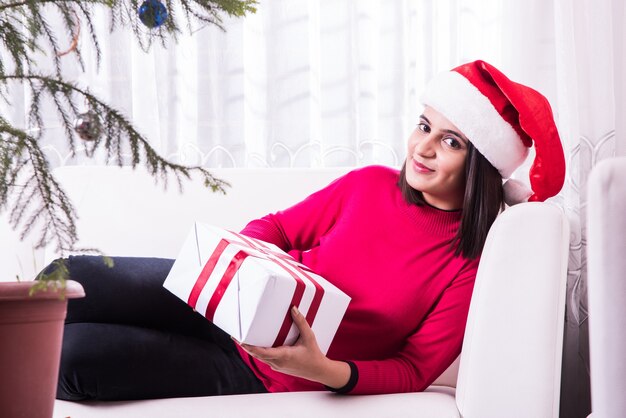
304	358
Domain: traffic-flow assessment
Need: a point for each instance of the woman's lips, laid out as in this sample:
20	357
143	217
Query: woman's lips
421	168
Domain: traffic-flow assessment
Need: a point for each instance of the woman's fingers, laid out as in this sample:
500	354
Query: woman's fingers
303	359
299	320
306	333
288	357
262	353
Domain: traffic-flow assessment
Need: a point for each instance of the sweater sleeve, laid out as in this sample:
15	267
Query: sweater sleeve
301	226
428	352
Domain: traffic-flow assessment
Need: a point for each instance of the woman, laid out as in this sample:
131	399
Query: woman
404	246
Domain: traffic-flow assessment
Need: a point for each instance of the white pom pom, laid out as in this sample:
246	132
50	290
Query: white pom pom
516	192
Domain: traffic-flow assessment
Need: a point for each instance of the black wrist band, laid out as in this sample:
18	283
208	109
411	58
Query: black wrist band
354	378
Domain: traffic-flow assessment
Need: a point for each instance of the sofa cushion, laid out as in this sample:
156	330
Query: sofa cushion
435	402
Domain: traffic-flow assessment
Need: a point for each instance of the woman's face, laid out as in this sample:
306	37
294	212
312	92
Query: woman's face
435	163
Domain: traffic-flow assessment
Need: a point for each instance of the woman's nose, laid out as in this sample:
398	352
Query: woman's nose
425	146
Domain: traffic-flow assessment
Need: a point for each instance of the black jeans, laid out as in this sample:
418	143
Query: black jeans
130	338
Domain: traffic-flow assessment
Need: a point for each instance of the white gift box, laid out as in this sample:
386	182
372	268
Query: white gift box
247	287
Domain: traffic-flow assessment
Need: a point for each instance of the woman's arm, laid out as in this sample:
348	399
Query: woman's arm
301	226
429	351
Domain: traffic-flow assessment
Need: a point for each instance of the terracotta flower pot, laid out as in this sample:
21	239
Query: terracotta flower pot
31	331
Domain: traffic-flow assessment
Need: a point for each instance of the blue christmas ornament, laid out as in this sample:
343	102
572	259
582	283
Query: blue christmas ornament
152	13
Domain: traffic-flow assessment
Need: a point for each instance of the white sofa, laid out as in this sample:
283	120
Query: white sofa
510	365
606	261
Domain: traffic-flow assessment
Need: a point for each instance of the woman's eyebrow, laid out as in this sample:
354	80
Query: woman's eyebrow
448	131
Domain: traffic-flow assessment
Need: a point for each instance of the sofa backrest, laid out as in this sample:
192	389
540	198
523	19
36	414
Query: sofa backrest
124	213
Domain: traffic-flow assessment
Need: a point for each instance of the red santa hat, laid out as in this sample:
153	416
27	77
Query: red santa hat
503	119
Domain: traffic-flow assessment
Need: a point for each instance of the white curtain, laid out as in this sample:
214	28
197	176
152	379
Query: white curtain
337	82
299	83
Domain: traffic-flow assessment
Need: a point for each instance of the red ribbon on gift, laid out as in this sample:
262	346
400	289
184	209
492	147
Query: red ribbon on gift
279	258
283	260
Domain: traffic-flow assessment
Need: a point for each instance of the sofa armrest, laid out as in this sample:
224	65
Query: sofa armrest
511	356
606	252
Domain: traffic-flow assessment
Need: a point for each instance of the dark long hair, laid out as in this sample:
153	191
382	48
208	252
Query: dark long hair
482	202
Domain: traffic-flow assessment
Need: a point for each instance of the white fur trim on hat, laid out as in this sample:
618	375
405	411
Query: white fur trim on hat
455	97
515	192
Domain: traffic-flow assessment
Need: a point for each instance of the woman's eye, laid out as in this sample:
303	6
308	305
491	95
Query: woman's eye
423	127
452	142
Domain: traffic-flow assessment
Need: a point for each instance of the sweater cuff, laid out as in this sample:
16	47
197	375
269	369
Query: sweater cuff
354	378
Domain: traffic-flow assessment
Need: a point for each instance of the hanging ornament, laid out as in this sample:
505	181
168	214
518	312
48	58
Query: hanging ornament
87	125
75	36
152	13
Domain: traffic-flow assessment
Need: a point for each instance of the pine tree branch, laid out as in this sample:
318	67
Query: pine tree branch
30	2
26	170
122	13
117	132
115	125
27	185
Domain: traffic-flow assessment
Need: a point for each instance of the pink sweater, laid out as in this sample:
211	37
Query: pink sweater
410	295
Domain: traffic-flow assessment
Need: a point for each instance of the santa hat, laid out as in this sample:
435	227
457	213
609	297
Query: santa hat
503	119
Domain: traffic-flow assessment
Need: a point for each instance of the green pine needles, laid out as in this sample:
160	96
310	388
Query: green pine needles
28	42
